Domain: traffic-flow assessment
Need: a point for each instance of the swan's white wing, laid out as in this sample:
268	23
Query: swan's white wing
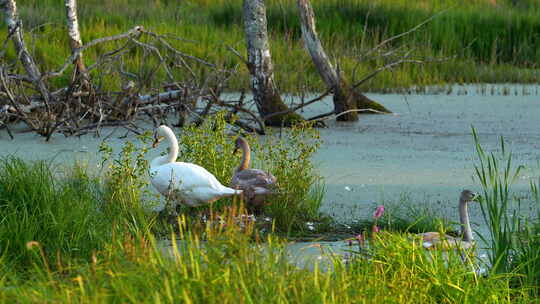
184	175
193	183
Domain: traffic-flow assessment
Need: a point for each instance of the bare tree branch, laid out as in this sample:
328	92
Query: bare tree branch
300	106
137	30
325	116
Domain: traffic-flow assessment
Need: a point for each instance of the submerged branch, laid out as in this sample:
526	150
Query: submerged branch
333	114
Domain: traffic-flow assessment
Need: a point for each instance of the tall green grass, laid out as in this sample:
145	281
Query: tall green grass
526	259
480	31
228	267
61	214
514	245
67	210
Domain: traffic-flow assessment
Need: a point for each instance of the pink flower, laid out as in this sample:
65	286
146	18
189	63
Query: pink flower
378	212
360	239
376	229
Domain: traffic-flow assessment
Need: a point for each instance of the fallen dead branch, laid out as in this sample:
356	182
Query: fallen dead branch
333	115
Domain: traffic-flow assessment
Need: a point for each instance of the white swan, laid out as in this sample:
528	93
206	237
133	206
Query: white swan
432	240
185	183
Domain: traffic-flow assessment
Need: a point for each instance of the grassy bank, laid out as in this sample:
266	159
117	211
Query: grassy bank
483	42
232	269
123	262
90	251
70	235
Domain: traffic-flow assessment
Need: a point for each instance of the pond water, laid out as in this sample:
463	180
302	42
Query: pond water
425	149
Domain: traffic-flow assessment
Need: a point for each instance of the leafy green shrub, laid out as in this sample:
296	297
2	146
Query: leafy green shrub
126	182
287	156
300	190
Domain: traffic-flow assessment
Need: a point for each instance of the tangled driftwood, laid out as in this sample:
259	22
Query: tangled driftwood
82	106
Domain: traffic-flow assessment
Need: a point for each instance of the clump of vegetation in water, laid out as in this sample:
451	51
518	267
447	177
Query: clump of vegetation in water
287	155
514	245
406	215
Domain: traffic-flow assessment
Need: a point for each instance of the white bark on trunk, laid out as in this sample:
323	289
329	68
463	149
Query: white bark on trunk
265	92
75	41
15	30
73	24
259	59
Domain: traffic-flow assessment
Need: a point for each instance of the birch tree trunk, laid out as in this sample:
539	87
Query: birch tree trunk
265	92
345	97
15	30
75	41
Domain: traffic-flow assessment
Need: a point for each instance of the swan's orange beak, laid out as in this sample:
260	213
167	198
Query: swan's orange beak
157	139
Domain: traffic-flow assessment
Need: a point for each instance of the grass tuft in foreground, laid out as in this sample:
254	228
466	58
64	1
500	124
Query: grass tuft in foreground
224	263
59	213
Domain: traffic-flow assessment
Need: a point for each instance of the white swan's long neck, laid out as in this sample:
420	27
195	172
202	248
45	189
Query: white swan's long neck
466	230
158	161
173	149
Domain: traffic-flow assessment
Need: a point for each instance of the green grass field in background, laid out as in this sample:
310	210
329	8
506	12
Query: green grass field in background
482	42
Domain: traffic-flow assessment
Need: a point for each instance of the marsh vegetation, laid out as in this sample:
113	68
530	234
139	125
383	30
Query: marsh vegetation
483	42
70	234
